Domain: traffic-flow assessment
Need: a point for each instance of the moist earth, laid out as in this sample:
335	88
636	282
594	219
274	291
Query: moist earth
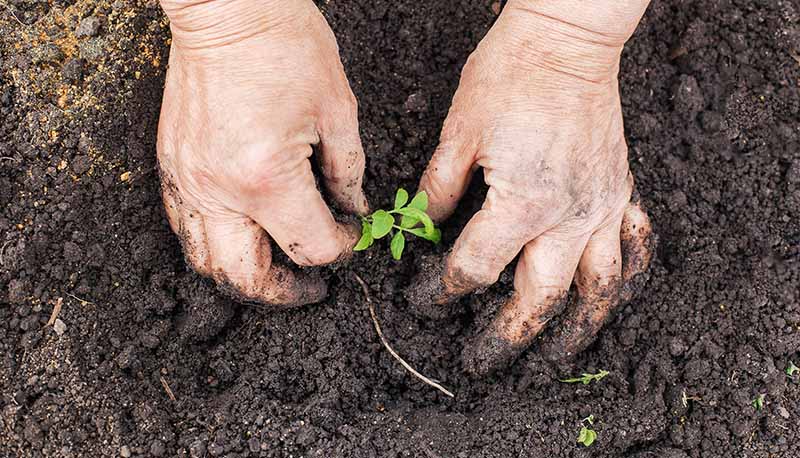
151	360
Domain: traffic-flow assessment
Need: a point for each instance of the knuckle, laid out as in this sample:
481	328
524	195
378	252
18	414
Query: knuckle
435	186
259	166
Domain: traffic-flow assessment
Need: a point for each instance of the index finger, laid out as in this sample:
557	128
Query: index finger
489	242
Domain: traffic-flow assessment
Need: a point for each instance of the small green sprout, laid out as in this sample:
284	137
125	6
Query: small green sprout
586	378
758	402
792	369
587	436
382	222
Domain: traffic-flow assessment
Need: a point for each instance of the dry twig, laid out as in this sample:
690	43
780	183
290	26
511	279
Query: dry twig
56	311
389	348
167	389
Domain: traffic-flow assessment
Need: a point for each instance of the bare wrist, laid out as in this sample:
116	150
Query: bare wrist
576	37
198	24
609	22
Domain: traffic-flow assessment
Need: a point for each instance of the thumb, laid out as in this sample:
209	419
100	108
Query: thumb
447	176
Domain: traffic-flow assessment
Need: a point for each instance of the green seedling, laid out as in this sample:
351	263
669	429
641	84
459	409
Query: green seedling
586	378
792	369
758	402
587	436
384	222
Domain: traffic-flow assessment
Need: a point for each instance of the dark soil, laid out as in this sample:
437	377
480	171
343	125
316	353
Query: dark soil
712	103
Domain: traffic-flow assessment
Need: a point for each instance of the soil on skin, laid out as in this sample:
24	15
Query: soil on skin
712	104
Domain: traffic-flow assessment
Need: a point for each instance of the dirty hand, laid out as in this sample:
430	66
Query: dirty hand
252	84
538	109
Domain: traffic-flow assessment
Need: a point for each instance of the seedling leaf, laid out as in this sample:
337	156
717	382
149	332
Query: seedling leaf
758	402
586	378
382	223
420	201
401	198
792	369
419	215
397	245
586	436
436	237
408	222
366	239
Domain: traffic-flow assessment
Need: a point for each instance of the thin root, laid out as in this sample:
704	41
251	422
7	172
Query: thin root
389	348
14	15
2	253
82	301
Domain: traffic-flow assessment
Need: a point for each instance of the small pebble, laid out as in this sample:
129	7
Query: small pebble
254	445
73	70
46	53
416	102
216	449
149	341
197	449
124	451
88	27
59	327
157	448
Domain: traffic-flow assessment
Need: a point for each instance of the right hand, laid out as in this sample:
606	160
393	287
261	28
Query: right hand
538	108
252	84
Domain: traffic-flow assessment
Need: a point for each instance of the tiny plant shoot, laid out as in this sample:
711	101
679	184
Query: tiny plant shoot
383	222
586	378
758	402
792	369
587	436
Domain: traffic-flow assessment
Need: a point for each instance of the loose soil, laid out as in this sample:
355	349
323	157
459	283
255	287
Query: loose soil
712	103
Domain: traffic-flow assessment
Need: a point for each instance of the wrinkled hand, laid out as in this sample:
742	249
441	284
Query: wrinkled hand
538	109
252	84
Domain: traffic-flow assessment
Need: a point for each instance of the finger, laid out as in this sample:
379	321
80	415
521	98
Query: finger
170	206
488	243
598	285
637	243
342	162
188	225
448	174
301	223
541	283
241	263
